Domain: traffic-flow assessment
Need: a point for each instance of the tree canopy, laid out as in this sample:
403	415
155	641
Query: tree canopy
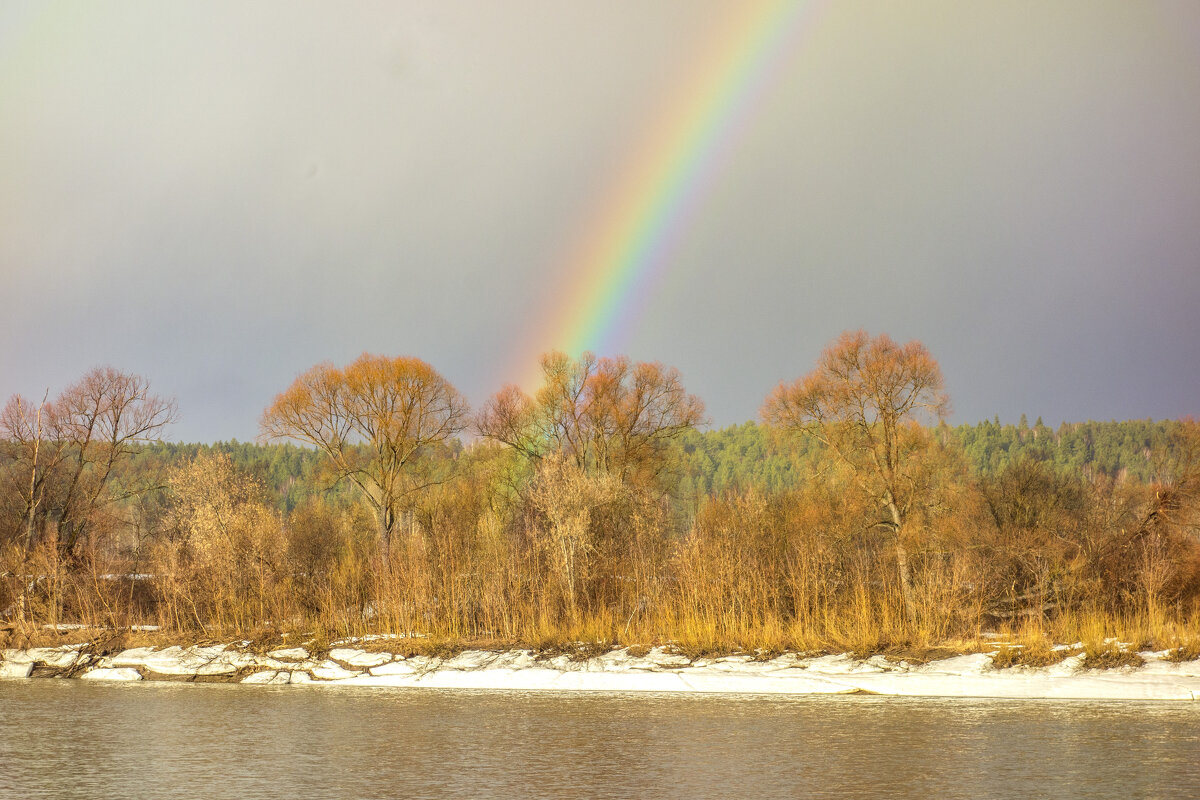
65	452
378	421
608	416
865	401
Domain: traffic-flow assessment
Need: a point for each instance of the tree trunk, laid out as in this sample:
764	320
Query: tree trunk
910	603
387	520
34	498
33	504
906	591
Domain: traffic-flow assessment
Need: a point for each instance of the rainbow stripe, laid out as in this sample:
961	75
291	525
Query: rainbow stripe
630	242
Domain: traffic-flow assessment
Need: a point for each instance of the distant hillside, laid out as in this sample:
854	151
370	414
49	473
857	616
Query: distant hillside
748	456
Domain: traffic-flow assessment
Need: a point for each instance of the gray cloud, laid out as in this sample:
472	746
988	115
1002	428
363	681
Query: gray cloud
218	197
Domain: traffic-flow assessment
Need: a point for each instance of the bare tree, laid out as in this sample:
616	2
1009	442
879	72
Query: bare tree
70	447
378	420
23	434
865	402
101	420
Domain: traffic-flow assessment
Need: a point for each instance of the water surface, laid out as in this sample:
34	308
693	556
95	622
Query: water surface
75	739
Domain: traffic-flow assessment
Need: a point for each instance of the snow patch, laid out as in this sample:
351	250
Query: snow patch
180	661
15	669
617	671
57	657
973	664
394	668
841	664
110	674
468	659
290	654
330	671
359	658
270	677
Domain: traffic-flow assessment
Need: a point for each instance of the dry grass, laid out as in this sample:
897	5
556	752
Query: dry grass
1110	655
1029	646
928	653
696	652
98	639
1042	655
1184	652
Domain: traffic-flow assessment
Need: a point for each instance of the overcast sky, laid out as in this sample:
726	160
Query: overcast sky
219	195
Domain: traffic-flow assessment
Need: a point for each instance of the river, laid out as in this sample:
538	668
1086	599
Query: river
76	739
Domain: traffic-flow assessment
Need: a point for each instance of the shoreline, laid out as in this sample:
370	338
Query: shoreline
658	670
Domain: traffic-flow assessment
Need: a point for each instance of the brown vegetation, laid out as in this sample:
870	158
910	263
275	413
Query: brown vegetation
864	402
607	416
61	454
377	420
559	528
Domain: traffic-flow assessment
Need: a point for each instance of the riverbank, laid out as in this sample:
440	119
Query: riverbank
354	663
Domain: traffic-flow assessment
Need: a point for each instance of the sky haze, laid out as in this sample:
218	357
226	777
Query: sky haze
218	196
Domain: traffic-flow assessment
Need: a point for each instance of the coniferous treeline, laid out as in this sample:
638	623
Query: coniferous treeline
749	456
743	457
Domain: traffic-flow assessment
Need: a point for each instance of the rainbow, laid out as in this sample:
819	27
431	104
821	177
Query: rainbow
629	243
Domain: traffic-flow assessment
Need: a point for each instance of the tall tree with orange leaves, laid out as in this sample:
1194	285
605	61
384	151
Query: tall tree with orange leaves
608	416
865	401
378	421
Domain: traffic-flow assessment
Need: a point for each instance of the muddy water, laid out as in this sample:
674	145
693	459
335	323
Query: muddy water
73	739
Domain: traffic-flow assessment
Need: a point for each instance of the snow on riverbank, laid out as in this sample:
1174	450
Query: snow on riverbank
618	671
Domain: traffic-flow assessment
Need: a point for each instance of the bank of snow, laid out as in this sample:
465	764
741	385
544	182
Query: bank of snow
618	671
